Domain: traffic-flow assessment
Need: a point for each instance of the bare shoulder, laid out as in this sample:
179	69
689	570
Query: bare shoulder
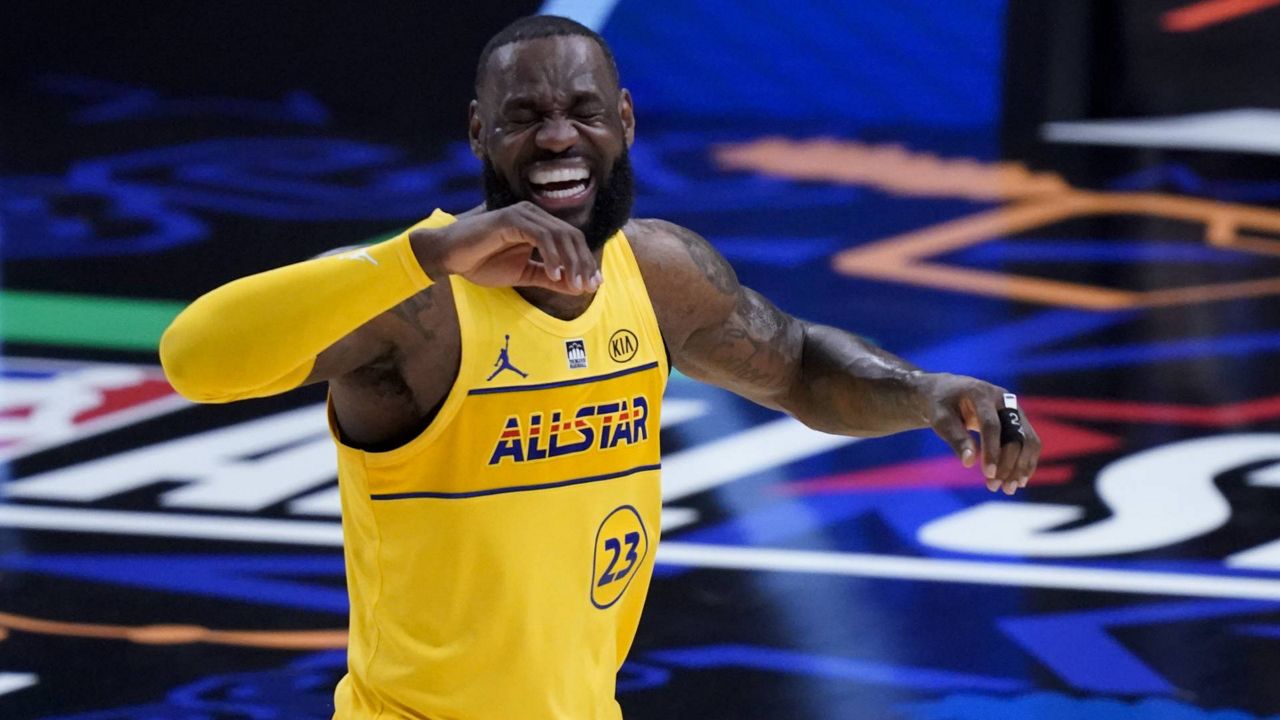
677	249
690	283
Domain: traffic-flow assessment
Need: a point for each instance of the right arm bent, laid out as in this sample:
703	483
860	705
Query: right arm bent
260	335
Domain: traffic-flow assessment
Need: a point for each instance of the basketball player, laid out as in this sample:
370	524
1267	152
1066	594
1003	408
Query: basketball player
495	388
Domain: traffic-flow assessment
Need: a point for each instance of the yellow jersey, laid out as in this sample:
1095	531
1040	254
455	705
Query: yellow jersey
498	563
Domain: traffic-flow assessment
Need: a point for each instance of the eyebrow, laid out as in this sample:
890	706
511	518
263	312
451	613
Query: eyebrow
521	102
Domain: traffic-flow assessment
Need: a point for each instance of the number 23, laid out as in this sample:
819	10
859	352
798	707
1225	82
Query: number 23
632	539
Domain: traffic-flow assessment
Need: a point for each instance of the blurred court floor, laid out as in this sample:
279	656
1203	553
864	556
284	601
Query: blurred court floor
859	163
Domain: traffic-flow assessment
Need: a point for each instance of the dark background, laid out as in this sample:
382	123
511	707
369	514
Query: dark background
389	69
964	80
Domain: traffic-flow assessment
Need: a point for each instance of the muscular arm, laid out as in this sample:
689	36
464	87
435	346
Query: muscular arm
730	335
848	386
723	333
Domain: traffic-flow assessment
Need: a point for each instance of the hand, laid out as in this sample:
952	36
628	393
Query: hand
955	404
496	249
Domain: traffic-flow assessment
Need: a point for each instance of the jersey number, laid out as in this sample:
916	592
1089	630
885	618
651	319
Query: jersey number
621	546
632	539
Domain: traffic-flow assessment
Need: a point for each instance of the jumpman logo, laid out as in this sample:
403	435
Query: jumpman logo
362	255
504	362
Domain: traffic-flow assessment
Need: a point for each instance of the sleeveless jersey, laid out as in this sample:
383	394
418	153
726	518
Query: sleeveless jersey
497	564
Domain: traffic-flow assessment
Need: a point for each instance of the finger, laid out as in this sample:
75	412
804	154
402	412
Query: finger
553	263
1008	460
571	246
982	415
533	272
536	275
565	248
574	243
1009	454
528	220
948	425
1029	458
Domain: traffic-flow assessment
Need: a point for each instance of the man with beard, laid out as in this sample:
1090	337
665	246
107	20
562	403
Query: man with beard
495	386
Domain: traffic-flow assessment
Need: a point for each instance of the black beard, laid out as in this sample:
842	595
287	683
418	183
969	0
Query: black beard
609	212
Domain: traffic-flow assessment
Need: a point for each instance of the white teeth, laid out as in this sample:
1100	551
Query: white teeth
568	192
542	176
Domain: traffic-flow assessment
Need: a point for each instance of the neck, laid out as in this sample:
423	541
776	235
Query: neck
557	305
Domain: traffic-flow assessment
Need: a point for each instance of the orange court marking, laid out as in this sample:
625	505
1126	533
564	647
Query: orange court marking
891	168
1207	13
178	634
1035	200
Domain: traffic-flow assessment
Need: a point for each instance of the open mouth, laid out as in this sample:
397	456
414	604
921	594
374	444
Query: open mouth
560	187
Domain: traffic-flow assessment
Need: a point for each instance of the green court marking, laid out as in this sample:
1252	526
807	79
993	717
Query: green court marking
84	320
95	321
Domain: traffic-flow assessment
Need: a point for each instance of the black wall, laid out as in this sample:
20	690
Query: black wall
1087	59
398	69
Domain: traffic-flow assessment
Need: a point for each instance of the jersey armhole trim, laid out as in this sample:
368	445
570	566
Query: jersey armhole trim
453	400
644	306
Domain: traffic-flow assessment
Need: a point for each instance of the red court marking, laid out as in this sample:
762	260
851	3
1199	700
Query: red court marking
932	473
114	399
1061	441
1207	13
1222	416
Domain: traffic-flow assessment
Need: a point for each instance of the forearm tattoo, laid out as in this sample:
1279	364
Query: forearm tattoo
755	347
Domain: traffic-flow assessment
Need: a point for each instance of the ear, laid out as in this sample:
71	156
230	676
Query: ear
475	128
627	112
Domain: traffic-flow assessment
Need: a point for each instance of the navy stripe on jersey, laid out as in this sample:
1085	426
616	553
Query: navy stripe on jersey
562	383
515	488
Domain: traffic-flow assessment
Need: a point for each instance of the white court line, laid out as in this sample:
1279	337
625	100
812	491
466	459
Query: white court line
592	13
678	517
205	527
1057	577
893	567
755	450
13	682
1241	130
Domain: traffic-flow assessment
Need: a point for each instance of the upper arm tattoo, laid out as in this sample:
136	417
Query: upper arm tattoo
411	312
371	356
756	350
750	347
382	377
710	263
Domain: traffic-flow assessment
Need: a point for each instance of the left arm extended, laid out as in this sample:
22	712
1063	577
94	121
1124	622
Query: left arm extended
721	332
